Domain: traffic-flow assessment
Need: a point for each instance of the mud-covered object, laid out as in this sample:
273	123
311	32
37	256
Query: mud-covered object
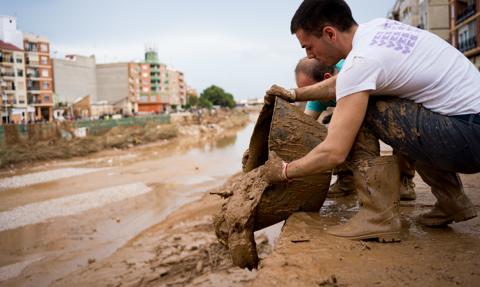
252	204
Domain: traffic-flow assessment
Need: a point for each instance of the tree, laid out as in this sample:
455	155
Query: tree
217	96
193	101
204	103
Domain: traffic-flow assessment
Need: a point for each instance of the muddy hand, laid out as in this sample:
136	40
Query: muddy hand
273	168
245	159
277	91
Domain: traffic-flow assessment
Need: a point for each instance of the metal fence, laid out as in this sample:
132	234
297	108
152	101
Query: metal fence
100	126
94	127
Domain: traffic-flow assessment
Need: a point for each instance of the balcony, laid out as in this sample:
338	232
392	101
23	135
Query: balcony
33	100
33	75
37	63
7	60
468	44
10	74
466	13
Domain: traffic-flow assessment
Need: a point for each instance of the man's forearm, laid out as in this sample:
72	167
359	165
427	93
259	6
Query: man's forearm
316	161
323	91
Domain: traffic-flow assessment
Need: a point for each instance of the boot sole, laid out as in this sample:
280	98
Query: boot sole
382	237
448	221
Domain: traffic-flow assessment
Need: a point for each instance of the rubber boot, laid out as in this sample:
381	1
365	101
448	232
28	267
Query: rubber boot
407	189
452	204
345	185
378	183
407	172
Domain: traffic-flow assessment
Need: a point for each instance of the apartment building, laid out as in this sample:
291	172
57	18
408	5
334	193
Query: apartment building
13	106
118	84
176	88
154	90
465	27
39	73
75	78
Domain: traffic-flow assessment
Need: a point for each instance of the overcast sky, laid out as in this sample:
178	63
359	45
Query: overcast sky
243	46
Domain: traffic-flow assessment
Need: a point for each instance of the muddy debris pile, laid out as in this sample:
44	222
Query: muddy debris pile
235	225
252	204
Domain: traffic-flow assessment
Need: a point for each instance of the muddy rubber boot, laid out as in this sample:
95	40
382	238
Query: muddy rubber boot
345	185
452	204
407	189
378	187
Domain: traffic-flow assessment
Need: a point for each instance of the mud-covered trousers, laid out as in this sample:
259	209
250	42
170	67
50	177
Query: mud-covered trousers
440	146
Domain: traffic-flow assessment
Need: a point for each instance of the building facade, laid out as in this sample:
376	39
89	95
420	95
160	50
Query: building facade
406	11
153	80
75	78
117	84
39	73
434	17
465	27
9	32
430	15
176	88
14	107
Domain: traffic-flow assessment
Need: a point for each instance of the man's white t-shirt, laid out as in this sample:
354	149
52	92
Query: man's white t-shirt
394	59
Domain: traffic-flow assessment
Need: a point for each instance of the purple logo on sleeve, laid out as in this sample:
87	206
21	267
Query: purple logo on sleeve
396	36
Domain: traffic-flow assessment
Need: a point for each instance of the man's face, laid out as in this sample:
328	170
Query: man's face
321	48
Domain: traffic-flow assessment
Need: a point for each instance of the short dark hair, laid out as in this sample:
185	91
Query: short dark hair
312	68
313	15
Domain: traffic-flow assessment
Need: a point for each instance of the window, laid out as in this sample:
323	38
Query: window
44	60
19	73
20	85
45	73
19	60
46	85
44	47
46	98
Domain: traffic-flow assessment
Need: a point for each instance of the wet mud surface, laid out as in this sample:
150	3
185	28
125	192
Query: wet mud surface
305	255
61	216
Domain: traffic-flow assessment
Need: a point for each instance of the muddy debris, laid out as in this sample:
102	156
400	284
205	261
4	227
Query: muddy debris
234	227
251	203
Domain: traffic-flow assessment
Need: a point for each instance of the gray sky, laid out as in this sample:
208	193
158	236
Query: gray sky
242	46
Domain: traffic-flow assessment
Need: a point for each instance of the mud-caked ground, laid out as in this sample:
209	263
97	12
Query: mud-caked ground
183	251
305	255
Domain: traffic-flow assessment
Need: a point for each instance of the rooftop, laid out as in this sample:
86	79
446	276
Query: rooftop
9	47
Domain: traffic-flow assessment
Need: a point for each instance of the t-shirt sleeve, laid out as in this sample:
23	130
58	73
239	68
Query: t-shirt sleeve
358	74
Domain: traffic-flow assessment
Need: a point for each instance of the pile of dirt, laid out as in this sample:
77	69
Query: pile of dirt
118	137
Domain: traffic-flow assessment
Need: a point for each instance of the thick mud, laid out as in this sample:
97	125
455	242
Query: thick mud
251	203
235	223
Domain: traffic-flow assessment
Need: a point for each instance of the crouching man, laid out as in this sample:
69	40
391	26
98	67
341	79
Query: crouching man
402	85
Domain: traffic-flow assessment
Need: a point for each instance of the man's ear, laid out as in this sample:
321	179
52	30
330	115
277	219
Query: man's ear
330	32
327	76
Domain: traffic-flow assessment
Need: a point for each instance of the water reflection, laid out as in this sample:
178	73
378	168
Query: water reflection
226	141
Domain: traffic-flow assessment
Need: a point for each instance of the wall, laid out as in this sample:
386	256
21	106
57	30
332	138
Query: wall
112	82
75	77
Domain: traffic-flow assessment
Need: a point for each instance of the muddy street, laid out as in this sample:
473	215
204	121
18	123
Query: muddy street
57	217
